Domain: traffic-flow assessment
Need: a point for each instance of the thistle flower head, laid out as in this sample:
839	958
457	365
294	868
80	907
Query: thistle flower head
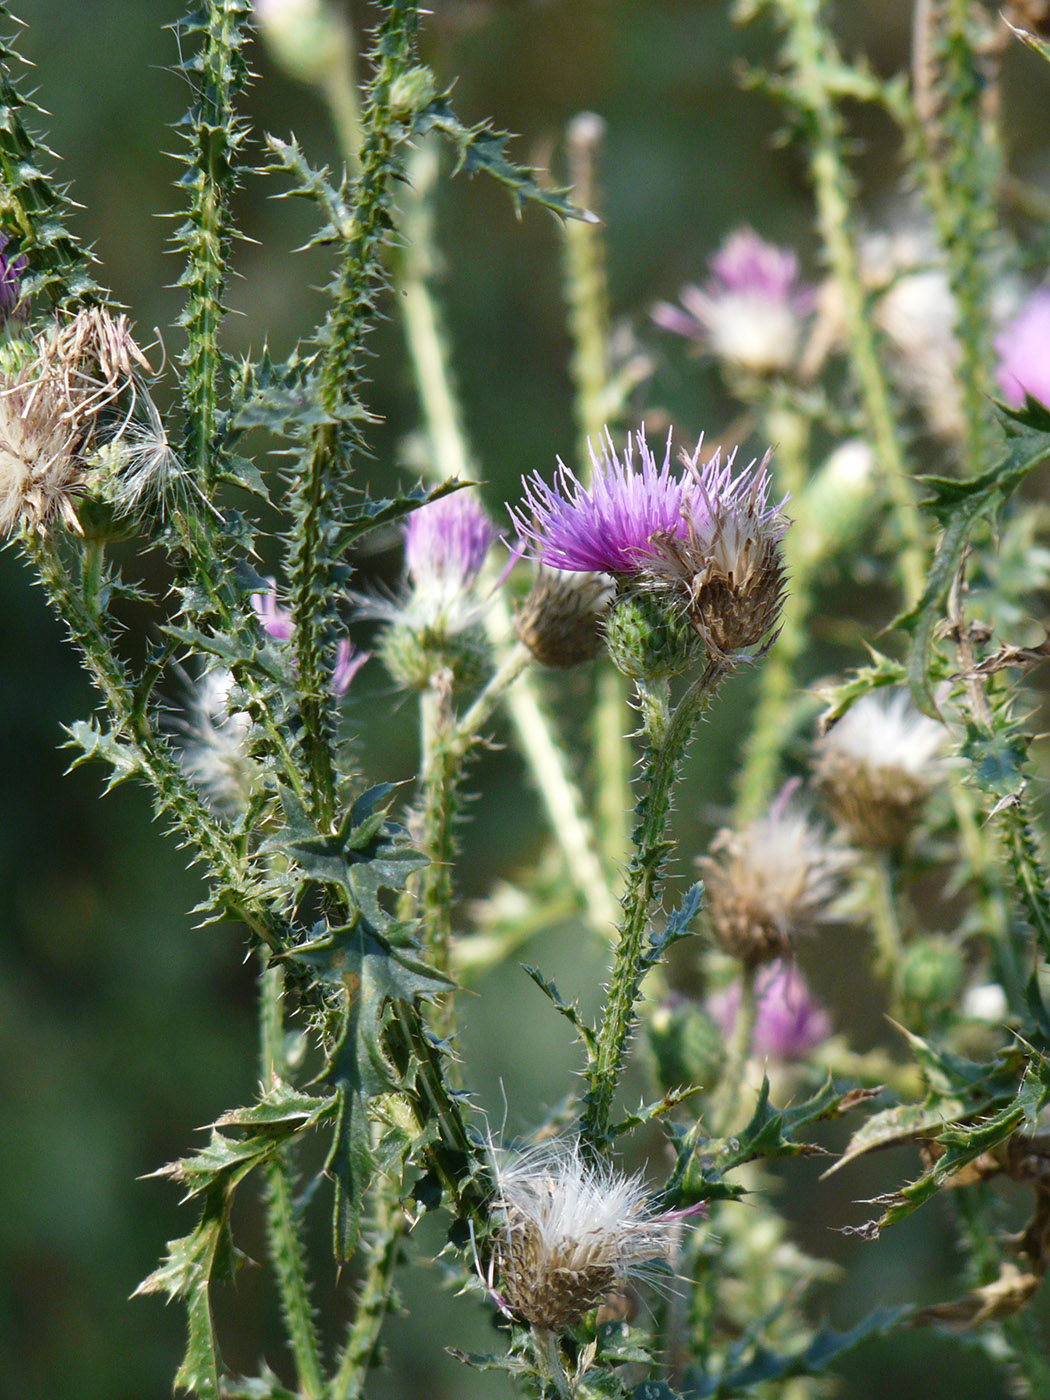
446	545
771	882
1023	348
728	566
789	1022
876	765
751	310
607	526
560	620
706	537
278	623
570	1229
78	418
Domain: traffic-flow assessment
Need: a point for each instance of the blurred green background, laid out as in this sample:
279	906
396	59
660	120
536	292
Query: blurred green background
123	1027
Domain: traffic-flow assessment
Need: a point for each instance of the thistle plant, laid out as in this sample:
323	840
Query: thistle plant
654	597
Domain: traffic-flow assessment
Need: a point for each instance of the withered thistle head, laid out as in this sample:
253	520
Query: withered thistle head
770	882
53	419
560	620
876	766
569	1230
728	566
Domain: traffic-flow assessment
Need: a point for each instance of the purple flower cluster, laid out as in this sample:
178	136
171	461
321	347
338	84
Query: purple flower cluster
1024	352
608	526
277	623
789	1022
446	544
750	310
705	535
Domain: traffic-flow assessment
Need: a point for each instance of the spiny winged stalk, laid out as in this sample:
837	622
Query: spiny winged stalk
215	136
283	1224
323	470
812	60
134	744
667	733
385	1236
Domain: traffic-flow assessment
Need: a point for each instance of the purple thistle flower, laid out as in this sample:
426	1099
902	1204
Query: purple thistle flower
608	526
446	544
1024	352
277	623
750	310
789	1022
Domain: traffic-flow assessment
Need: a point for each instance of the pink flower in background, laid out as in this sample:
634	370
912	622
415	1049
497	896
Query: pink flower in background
1023	348
789	1023
277	623
751	309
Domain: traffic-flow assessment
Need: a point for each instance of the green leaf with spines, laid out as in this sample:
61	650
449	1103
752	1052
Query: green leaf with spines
482	148
703	1162
33	208
958	504
569	1010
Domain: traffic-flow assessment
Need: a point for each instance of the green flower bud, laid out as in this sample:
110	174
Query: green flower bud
650	637
414	656
932	971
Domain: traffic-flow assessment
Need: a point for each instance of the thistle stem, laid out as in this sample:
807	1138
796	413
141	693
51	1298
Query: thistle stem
811	56
885	925
373	1298
451	457
725	1100
282	1226
667	733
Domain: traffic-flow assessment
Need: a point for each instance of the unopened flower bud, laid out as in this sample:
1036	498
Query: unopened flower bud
770	883
650	637
836	507
560	620
931	972
308	38
876	767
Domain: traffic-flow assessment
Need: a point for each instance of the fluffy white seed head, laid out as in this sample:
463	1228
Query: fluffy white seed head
771	882
214	749
876	766
570	1229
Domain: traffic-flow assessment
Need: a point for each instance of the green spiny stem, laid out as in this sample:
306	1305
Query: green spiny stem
811	56
667	733
889	943
219	73
451	457
173	793
439	776
961	165
725	1102
325	461
1030	878
282	1225
587	298
385	1238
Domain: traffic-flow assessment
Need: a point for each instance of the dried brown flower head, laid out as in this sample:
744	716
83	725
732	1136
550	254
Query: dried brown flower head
560	620
729	563
570	1230
770	882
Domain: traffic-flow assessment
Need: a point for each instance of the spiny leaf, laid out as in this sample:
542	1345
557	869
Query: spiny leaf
957	505
482	148
570	1011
